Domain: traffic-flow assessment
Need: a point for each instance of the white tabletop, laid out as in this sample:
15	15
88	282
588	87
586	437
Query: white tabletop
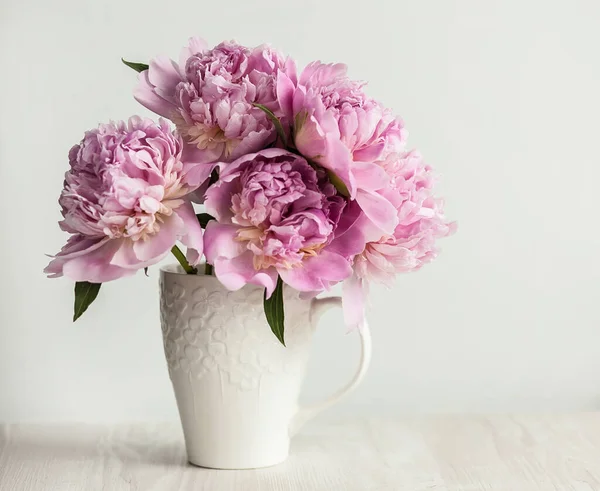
504	453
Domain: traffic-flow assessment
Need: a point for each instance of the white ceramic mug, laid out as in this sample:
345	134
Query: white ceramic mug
236	386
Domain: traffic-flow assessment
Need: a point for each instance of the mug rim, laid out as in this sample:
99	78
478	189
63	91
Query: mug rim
175	269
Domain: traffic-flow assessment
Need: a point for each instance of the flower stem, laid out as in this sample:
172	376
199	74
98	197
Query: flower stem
180	256
208	269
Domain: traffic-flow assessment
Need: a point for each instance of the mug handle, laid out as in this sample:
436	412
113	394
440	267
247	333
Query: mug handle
317	308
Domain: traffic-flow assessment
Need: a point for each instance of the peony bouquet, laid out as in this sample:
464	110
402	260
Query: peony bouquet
305	180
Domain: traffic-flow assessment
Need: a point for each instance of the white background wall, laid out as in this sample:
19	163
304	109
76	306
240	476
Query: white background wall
503	98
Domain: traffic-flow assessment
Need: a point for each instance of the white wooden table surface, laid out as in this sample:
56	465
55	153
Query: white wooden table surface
504	453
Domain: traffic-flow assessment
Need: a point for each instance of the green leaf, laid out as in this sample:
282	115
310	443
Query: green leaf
204	218
138	67
275	120
338	183
274	311
85	294
180	256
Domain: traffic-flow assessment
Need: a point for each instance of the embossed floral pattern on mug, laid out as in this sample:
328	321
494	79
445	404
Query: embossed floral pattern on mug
216	332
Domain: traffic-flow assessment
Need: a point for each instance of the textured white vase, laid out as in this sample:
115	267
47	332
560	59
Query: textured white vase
236	386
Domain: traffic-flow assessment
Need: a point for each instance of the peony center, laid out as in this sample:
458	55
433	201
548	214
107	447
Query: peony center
204	136
255	240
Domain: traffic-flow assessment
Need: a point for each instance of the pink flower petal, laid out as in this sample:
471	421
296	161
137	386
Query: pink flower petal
95	267
353	302
324	73
144	93
239	271
370	153
193	156
195	45
350	243
218	200
255	140
164	75
310	139
285	94
76	246
193	236
310	274
160	244
349	238
328	266
125	257
339	160
301	279
298	104
220	242
371	177
291	70
379	210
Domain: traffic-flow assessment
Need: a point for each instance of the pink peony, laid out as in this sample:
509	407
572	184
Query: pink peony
343	130
124	201
209	95
421	222
275	215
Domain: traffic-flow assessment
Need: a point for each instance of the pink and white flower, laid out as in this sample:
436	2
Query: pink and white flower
342	202
413	243
124	200
210	96
336	125
275	215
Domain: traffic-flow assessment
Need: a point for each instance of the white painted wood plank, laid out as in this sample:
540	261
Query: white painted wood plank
445	453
